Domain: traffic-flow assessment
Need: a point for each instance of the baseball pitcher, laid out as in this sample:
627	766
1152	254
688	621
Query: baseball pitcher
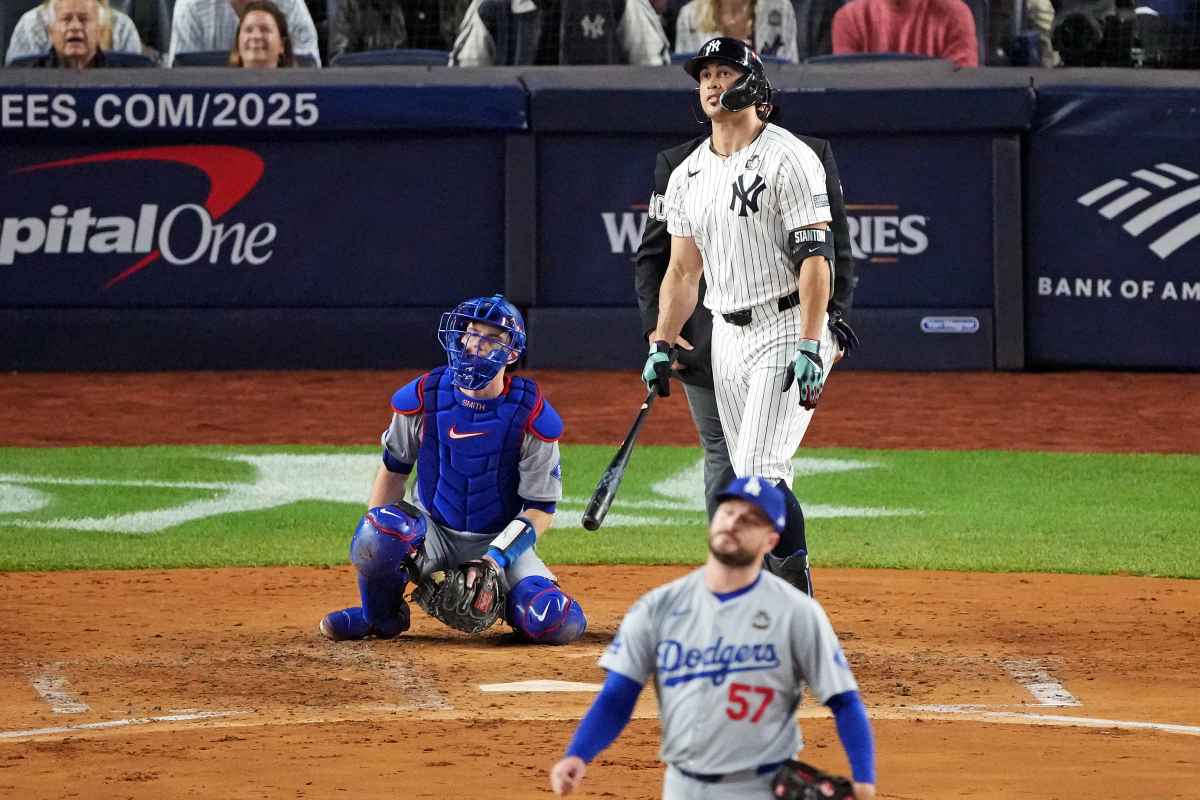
730	648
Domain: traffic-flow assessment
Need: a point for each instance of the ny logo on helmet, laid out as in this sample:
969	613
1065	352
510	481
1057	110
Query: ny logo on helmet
711	48
748	195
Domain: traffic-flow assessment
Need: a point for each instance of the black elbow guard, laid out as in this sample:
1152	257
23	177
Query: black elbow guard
803	243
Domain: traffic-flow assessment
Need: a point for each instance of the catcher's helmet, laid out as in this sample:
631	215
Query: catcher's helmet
752	89
475	357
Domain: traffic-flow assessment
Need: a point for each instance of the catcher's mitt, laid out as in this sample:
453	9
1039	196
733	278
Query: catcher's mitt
799	781
469	598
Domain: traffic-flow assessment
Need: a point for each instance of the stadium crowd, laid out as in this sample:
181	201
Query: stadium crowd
80	34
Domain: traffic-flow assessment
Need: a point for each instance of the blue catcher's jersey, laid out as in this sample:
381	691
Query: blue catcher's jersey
468	463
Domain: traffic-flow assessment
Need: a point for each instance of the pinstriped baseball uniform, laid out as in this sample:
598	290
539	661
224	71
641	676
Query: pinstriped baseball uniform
739	210
729	676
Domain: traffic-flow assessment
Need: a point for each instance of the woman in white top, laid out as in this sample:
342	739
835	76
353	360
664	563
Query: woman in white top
769	26
31	35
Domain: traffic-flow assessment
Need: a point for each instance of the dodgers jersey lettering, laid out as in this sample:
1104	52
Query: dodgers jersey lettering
729	675
739	211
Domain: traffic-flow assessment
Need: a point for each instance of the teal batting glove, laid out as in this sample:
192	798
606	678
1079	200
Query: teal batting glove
657	372
808	371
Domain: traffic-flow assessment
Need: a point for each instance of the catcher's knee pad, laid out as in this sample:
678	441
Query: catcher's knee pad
543	613
385	540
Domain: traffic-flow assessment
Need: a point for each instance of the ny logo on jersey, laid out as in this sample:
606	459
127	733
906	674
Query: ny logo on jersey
748	195
593	27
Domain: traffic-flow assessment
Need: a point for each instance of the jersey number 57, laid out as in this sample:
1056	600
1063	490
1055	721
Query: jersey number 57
741	696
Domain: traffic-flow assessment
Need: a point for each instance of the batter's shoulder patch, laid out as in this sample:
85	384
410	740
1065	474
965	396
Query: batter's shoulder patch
410	398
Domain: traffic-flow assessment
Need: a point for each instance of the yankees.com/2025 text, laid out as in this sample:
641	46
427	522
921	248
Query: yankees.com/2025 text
248	109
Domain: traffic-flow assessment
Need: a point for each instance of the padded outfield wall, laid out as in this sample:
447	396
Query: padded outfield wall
317	219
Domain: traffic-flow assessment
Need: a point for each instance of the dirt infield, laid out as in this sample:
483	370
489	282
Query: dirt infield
213	684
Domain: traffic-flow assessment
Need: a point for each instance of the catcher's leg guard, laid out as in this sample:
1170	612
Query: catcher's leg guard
543	613
382	550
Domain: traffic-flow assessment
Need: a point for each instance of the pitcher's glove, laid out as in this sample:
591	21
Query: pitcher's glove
843	334
469	599
799	781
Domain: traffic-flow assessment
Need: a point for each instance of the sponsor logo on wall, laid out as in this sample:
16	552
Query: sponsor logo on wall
179	234
1153	208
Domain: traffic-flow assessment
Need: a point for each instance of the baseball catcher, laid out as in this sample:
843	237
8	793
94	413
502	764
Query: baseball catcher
484	449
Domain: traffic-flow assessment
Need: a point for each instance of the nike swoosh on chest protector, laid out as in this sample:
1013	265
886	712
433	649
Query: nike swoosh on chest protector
456	434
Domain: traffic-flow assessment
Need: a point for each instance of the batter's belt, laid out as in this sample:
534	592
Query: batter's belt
733	777
744	316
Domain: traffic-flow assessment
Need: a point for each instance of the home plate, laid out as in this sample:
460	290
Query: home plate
540	686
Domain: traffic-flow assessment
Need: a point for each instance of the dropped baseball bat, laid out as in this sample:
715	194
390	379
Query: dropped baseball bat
610	481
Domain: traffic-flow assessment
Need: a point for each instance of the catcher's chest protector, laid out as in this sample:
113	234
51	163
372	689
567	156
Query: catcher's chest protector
468	466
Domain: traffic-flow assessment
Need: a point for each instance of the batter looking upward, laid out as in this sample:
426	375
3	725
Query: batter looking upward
730	648
749	211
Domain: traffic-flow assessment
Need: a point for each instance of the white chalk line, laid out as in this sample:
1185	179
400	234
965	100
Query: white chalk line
112	723
250	719
1026	718
1038	681
51	685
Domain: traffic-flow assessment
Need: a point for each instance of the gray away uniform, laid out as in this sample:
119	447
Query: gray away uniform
729	677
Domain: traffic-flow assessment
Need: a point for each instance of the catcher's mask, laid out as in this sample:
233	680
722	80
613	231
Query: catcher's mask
475	357
752	89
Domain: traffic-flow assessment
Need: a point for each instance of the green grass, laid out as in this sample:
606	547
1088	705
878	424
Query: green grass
982	511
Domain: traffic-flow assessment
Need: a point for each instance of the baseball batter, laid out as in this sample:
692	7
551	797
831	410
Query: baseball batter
730	648
485	448
749	211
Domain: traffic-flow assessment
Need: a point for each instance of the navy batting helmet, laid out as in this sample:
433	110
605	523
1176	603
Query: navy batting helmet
752	89
474	353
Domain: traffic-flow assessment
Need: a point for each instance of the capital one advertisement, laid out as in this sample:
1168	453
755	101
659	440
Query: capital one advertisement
1113	265
919	211
355	224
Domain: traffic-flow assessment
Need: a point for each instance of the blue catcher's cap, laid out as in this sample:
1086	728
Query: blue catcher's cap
762	493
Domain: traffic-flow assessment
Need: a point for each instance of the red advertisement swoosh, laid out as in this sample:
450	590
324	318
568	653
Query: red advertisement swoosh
231	171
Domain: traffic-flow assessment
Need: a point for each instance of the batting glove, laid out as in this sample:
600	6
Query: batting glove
657	372
808	371
843	334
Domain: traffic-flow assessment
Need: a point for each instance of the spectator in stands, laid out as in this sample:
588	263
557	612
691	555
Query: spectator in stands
1039	18
31	35
74	36
262	40
450	17
814	26
938	28
769	26
206	25
367	25
636	37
